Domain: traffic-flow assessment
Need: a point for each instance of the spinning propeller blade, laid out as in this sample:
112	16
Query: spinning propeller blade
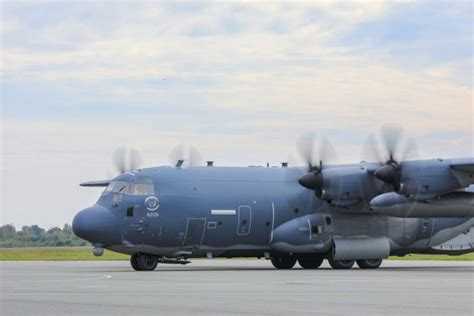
392	150
127	159
314	156
188	154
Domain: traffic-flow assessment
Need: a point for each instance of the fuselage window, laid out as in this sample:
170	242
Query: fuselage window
130	210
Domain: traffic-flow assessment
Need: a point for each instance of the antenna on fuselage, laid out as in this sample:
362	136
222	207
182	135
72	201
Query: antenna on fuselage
179	163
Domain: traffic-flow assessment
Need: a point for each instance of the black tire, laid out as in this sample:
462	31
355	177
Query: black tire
283	262
311	262
144	262
133	262
369	263
341	264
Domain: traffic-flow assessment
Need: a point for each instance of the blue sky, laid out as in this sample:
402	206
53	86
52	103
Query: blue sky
241	81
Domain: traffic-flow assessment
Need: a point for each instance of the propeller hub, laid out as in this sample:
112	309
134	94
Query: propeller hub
312	180
386	173
390	173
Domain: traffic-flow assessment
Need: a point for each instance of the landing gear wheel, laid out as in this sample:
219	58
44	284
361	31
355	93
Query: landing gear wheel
311	262
283	262
133	262
369	263
143	262
341	264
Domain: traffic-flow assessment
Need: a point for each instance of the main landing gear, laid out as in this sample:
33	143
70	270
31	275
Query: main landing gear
283	261
314	261
341	264
369	264
311	262
143	262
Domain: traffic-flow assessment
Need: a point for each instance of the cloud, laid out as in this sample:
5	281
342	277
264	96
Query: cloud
240	81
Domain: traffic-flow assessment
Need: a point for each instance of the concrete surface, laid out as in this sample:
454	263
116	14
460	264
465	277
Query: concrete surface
216	287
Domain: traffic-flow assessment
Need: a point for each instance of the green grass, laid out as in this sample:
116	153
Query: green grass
85	253
466	257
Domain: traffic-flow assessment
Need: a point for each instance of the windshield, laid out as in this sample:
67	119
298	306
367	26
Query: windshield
138	186
116	186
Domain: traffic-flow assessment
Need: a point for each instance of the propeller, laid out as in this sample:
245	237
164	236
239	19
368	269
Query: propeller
127	159
392	149
188	154
314	157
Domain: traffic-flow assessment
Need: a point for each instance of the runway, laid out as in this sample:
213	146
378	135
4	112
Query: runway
238	286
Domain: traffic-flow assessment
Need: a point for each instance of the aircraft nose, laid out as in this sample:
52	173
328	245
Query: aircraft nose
94	224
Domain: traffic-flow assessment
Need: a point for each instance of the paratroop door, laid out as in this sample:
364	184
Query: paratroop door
194	232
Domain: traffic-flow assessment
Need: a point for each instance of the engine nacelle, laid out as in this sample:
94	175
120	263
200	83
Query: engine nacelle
428	179
345	186
455	204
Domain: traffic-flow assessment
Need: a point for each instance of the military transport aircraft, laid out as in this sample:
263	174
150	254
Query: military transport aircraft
344	213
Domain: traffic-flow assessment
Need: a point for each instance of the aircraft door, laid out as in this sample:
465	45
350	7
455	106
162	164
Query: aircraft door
244	220
195	229
135	224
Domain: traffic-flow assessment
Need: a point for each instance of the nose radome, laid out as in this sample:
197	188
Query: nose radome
94	223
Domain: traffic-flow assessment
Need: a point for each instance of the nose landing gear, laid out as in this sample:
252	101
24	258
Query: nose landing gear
143	262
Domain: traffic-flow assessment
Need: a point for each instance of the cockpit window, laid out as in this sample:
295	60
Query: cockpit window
141	186
116	187
138	186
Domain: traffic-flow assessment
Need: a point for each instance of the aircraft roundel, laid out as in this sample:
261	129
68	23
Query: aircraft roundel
152	203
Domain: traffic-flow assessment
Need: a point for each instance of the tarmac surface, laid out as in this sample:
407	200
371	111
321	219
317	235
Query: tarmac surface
238	286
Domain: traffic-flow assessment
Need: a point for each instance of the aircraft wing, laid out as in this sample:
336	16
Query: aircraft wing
98	183
463	164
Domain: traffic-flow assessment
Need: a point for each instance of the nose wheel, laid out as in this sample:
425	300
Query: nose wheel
143	262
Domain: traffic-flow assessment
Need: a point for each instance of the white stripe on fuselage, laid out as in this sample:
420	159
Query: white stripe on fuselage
223	212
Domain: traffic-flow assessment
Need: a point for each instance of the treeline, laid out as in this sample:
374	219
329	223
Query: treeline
35	236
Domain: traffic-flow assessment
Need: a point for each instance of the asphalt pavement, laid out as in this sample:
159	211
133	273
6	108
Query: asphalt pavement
238	286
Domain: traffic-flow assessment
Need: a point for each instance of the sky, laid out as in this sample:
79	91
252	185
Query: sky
240	81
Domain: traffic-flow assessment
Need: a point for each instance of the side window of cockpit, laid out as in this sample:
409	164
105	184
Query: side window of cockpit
110	187
119	189
117	199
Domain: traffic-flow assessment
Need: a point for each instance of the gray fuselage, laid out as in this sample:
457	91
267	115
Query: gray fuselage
234	211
